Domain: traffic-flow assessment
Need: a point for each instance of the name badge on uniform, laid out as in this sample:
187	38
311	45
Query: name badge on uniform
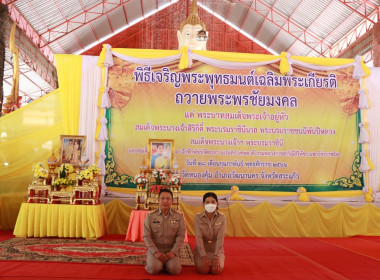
218	224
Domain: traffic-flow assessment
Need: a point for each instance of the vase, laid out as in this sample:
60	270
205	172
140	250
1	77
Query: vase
48	181
85	182
41	181
140	186
158	181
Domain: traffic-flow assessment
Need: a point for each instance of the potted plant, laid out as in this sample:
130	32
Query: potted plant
86	175
159	175
61	184
175	181
141	180
94	169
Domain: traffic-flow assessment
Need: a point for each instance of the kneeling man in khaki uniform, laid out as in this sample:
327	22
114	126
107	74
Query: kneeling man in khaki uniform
164	233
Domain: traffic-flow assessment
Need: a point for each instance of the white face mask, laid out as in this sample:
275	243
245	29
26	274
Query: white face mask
210	207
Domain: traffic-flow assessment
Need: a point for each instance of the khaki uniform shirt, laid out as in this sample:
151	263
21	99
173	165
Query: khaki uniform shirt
164	234
209	235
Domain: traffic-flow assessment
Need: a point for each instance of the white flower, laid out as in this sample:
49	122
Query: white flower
141	179
40	171
176	179
159	173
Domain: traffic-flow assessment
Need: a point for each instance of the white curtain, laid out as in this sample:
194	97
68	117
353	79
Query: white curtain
90	85
372	83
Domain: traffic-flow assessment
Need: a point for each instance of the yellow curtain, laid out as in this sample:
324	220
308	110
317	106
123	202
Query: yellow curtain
267	220
294	220
16	69
9	208
27	136
62	220
262	220
118	215
267	194
69	70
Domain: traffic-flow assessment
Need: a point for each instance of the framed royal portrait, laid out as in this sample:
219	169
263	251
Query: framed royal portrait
160	154
72	149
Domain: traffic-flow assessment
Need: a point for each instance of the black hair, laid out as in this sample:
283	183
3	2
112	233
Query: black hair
209	194
165	190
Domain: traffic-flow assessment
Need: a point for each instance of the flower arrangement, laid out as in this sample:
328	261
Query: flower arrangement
94	169
40	170
141	179
156	189
62	181
65	169
86	175
176	179
159	174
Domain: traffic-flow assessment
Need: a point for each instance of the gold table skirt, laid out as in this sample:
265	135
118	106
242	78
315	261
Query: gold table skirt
61	220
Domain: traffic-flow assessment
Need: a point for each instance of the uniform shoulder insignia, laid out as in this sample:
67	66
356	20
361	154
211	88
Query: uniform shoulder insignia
152	211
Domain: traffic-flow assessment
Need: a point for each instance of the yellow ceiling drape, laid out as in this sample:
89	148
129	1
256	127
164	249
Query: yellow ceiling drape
27	136
69	70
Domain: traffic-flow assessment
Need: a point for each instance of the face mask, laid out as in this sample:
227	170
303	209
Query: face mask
210	207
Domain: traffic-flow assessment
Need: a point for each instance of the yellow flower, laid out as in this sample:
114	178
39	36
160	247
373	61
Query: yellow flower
94	169
67	167
235	188
40	170
303	197
62	181
235	193
86	174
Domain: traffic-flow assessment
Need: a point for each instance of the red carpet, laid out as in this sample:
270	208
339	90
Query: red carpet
81	251
246	258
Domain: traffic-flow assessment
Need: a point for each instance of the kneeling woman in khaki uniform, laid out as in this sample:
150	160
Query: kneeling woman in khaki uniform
210	228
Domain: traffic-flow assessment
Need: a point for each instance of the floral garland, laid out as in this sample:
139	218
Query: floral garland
40	170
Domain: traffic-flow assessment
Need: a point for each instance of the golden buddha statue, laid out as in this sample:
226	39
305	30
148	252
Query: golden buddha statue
52	163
